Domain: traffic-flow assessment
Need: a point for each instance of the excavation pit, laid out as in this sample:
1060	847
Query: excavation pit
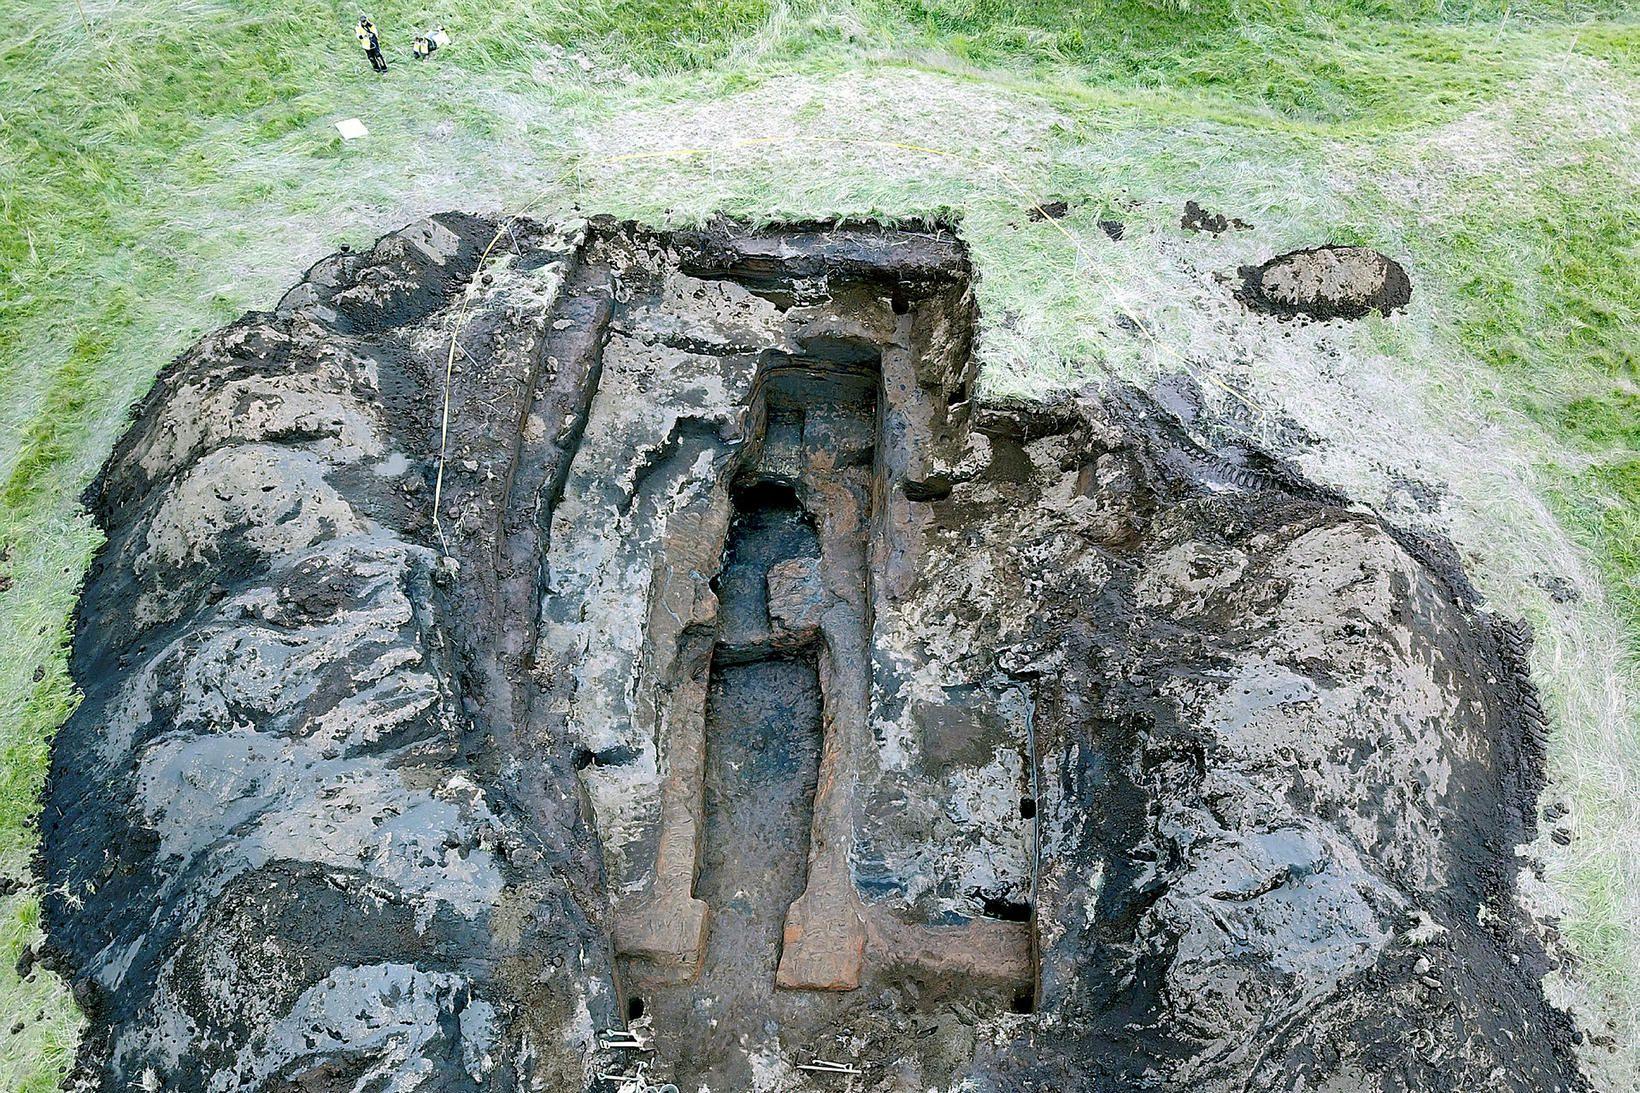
758	690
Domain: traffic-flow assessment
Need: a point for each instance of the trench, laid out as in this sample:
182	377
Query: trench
848	860
805	813
794	882
768	526
762	755
763	727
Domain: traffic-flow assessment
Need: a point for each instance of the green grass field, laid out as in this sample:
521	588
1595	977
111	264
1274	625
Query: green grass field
167	164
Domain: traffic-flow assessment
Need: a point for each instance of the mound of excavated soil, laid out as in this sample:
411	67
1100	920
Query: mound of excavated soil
1326	283
759	692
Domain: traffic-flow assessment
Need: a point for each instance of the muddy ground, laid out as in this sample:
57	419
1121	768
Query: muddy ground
755	688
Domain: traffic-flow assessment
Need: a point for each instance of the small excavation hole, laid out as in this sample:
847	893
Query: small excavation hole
937	487
1024	1002
1006	909
899	301
759	494
618	756
634	1008
1027	808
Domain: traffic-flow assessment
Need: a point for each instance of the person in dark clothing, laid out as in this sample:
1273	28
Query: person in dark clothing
365	32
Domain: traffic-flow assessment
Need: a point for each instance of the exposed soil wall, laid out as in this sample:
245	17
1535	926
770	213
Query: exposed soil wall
766	696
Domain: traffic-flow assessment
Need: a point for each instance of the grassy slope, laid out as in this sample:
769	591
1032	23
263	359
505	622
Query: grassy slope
167	164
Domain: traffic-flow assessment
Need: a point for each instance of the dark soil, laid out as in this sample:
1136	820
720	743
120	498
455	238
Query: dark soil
1198	219
1328	282
763	749
757	689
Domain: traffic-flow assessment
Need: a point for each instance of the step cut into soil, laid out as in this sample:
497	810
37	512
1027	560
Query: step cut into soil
760	692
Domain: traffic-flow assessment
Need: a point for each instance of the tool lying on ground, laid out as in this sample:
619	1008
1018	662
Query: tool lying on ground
822	1066
638	1081
621	1039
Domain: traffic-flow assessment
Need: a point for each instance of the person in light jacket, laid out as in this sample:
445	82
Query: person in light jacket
428	44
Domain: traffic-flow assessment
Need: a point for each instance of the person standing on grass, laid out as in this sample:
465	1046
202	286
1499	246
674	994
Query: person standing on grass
365	32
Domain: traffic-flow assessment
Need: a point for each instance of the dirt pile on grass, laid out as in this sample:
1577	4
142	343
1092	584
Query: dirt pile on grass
1198	219
761	693
1326	283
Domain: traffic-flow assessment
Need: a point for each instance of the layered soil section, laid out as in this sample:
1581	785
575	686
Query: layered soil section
539	649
